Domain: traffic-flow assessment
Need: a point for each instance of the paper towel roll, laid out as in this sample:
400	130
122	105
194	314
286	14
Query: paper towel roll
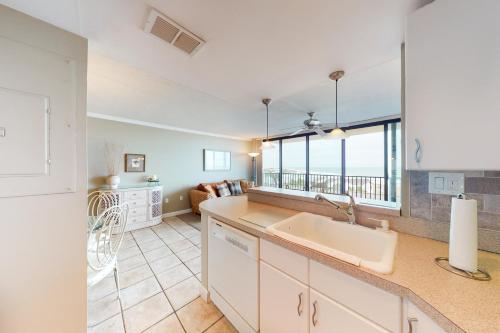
463	234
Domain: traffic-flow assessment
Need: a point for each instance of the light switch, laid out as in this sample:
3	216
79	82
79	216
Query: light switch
451	183
2	132
439	183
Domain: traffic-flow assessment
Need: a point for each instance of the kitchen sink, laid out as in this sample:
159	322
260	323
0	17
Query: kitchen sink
358	245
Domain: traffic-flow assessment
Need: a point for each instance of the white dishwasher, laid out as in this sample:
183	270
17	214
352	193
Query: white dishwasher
233	275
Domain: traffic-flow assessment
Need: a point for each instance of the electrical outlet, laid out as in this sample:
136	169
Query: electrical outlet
181	198
166	200
450	183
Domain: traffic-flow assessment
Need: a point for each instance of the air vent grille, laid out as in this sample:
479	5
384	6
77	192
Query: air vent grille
169	31
164	30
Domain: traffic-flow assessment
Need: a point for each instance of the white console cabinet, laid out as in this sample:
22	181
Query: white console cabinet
145	204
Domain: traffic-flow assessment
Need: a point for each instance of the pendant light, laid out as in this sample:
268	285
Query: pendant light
266	144
337	132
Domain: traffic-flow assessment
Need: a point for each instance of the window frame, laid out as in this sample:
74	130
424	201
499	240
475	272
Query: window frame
385	123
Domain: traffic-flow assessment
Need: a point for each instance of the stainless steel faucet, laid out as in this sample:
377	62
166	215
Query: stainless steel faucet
349	211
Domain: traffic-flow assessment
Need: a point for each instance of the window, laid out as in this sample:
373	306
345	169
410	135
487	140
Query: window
364	163
294	164
367	164
325	165
271	166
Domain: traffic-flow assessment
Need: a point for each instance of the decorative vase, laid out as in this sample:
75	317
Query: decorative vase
113	181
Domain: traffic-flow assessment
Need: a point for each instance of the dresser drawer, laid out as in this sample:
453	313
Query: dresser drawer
138	211
373	303
136	219
285	260
136	195
136	203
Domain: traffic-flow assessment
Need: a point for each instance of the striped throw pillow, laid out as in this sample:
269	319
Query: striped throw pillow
223	190
234	187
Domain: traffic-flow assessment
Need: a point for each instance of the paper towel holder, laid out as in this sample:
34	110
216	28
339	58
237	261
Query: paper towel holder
479	275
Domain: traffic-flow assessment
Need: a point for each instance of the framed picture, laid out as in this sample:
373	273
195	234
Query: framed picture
135	163
214	160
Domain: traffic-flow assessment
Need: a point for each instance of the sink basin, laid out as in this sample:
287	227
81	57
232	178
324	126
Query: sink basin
361	246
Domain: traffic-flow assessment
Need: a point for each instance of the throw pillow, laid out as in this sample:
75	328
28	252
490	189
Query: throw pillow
245	185
234	187
208	188
223	190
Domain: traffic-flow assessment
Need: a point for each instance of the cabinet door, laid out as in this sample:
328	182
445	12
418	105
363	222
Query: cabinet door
452	80
420	322
328	316
284	302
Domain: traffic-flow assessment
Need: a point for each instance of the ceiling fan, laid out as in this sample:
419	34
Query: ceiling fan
311	125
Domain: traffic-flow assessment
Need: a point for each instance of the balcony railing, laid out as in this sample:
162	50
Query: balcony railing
367	187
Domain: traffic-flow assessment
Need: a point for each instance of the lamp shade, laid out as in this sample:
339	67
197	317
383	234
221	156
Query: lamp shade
253	154
337	133
267	145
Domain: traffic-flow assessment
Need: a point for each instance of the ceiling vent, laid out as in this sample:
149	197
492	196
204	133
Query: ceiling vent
167	30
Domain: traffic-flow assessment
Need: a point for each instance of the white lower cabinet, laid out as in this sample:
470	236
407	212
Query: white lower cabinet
328	316
418	322
284	302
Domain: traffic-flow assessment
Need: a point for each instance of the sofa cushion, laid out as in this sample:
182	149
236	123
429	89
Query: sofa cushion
223	190
234	187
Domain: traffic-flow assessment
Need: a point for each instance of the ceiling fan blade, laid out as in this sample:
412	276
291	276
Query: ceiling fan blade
298	131
319	131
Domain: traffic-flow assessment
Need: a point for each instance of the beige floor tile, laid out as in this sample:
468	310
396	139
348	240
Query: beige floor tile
194	265
180	245
160	252
192	232
183	292
173	276
127	235
126	243
162	264
101	289
196	240
189	254
168	325
103	309
138	292
152	245
198	316
222	326
128	253
172	238
134	275
130	263
146	238
112	325
147	313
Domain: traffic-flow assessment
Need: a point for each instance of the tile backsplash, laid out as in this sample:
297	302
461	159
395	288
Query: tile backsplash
484	186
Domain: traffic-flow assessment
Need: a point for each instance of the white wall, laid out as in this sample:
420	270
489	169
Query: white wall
42	238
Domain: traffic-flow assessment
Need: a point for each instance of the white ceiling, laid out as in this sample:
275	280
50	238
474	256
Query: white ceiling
283	49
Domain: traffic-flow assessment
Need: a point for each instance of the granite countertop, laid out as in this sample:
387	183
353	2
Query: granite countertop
457	304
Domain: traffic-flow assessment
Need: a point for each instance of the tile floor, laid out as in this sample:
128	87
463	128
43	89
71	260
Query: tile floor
159	272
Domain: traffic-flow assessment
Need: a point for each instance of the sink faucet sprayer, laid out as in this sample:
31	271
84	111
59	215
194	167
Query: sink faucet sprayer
349	211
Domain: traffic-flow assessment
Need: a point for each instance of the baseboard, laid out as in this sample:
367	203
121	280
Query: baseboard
204	294
177	212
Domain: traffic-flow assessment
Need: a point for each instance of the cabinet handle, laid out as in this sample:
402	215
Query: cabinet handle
418	151
299	307
411	320
314	319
